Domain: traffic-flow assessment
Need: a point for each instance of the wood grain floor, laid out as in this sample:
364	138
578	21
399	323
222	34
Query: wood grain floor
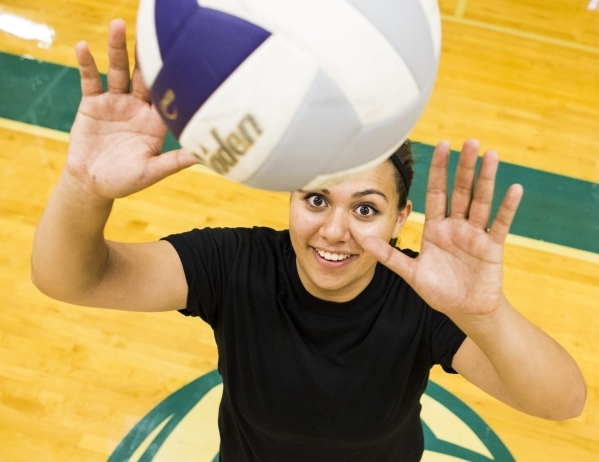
522	76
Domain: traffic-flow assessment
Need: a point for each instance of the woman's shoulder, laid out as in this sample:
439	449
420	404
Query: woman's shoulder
234	233
261	235
255	242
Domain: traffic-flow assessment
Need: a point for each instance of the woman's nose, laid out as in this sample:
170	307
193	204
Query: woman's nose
335	227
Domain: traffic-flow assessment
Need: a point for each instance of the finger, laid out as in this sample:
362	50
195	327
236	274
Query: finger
118	75
436	190
506	213
461	196
482	200
91	84
169	163
389	256
138	86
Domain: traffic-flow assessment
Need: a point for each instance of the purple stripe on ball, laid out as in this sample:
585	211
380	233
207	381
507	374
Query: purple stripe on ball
170	20
208	48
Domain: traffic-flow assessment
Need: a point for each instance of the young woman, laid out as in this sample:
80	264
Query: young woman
325	332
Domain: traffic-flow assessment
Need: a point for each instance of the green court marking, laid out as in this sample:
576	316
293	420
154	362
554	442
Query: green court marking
38	93
555	208
174	408
473	421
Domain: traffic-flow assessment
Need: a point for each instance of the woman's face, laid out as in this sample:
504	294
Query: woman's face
326	227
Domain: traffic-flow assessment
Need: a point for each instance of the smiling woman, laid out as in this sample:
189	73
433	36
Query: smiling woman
336	348
327	226
326	333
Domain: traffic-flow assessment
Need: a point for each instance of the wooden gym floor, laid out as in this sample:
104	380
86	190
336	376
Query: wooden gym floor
522	76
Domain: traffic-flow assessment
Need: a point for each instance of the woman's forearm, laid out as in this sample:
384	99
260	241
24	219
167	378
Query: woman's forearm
69	253
534	369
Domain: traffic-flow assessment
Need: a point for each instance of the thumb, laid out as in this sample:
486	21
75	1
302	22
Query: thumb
172	162
389	256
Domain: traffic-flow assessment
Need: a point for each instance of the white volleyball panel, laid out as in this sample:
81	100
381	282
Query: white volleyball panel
330	179
384	137
431	7
237	128
149	53
323	125
348	47
407	27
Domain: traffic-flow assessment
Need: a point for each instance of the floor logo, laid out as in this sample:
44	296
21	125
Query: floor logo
184	427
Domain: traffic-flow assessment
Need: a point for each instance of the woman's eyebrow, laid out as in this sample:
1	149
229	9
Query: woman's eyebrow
367	192
326	192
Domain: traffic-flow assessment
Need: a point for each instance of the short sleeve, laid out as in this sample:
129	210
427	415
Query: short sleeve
446	339
206	256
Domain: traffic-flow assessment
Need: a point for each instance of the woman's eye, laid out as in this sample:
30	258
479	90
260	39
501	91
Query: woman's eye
315	200
366	210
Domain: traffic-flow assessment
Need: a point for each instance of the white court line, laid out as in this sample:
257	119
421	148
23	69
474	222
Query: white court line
34	130
521	34
535	244
461	8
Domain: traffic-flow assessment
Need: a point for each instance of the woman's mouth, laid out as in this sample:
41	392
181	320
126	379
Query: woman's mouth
329	256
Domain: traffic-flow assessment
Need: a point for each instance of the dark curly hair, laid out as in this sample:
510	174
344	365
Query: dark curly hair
403	176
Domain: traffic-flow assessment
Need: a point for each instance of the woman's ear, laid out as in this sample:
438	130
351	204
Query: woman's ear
402	217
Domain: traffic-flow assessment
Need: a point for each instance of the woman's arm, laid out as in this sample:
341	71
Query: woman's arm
114	151
521	366
459	272
72	262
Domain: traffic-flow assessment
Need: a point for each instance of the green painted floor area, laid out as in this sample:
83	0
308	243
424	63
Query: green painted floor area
555	208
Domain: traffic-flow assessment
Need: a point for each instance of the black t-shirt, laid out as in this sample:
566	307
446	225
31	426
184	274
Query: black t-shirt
307	379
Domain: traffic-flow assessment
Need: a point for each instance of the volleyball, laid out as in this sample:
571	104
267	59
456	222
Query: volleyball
289	94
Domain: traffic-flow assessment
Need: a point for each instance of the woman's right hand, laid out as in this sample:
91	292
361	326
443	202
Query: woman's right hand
117	136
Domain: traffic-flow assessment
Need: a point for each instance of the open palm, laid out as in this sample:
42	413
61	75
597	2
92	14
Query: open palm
116	140
460	266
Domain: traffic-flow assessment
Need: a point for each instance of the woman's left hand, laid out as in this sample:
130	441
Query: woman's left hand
459	270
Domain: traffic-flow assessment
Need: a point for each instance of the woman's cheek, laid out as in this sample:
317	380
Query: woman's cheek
360	230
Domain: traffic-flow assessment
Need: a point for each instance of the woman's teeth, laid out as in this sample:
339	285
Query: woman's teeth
332	256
